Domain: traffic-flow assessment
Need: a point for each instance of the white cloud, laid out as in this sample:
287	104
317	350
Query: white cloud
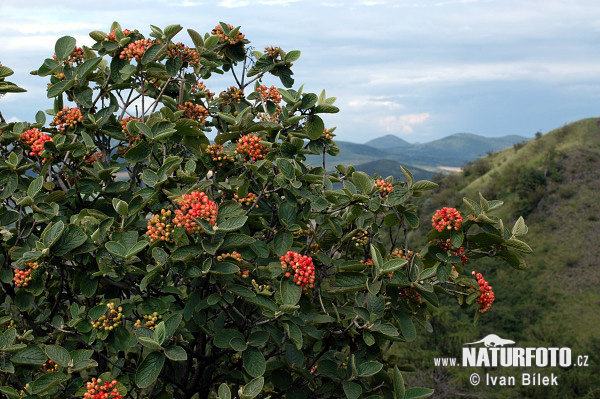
44	27
244	3
374	102
402	123
39	42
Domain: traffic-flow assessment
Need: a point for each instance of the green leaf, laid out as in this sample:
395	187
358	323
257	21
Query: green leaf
46	382
363	182
160	333
59	87
58	354
368	369
352	390
314	127
116	249
149	369
408	175
224	391
97	311
399	196
398	384
176	353
406	326
52	234
418	393
152	53
424	185
286	168
254	362
253	388
150	178
282	243
519	229
392	265
224	268
35	186
292	56
11	393
30	355
473	206
40	117
290	292
232	224
376	256
456	237
88	66
71	239
64	47
519	245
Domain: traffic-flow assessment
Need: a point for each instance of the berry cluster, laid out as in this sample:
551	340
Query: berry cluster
67	118
273	52
97	156
368	262
184	53
384	187
50	366
150	320
327	135
35	139
59	76
195	205
232	95
23	277
446	218
97	390
247	200
193	111
76	56
111	320
136	49
200	87
269	94
215	151
249	146
160	227
233	255
400	253
124	123
243	273
361	238
303	267
218	30
411	295
447	246
112	36
486	299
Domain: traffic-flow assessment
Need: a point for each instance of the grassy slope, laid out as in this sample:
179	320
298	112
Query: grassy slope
556	302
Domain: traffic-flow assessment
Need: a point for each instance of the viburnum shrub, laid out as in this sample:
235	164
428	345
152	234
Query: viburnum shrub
174	267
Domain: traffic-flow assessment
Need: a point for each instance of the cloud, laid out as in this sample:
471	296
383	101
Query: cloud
244	3
39	42
402	123
378	102
44	27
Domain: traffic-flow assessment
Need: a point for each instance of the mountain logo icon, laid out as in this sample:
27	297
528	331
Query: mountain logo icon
492	341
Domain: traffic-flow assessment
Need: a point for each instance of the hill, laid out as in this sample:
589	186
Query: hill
387	167
388	141
554	182
454	151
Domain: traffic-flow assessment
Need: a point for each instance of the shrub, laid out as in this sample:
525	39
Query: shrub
170	267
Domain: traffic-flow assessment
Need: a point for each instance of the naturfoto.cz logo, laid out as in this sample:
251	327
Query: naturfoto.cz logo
493	351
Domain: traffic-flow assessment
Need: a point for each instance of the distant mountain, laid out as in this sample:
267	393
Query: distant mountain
464	146
455	151
388	141
387	167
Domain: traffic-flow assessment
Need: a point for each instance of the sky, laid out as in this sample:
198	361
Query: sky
418	69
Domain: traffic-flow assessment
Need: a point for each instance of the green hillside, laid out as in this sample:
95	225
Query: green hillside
388	141
554	182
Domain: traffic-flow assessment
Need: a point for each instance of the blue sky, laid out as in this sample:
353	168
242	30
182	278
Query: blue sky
419	69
